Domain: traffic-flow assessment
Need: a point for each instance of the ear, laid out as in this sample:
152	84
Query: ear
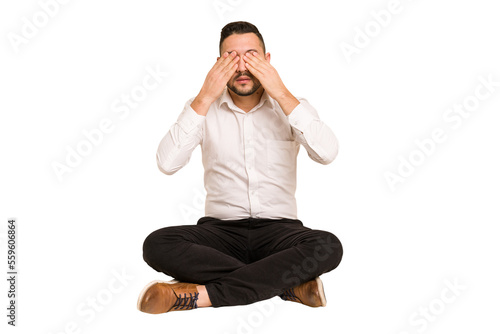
268	57
218	58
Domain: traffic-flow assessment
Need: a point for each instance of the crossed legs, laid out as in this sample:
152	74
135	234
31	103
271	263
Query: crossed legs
240	262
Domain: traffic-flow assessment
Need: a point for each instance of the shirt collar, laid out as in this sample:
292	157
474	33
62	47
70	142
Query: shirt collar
226	98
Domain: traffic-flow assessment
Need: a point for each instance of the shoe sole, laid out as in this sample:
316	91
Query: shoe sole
146	288
321	291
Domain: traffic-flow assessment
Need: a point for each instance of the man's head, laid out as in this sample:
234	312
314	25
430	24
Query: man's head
240	27
242	37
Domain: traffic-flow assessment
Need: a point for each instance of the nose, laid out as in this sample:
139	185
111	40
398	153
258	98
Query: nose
241	65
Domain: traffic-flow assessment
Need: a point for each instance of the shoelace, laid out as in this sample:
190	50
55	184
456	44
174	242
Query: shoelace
186	303
290	295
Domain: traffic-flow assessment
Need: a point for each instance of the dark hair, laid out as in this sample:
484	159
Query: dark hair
239	27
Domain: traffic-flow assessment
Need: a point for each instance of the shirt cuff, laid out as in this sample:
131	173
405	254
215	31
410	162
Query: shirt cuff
300	118
189	119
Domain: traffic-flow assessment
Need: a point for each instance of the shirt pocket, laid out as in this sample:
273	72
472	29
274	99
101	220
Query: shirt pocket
282	160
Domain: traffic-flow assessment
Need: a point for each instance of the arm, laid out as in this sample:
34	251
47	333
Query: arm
176	147
262	69
215	82
317	138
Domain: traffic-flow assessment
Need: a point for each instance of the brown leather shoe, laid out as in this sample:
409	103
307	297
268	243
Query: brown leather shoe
161	297
309	293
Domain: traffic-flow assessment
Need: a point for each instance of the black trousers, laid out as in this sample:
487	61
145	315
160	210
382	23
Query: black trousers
242	261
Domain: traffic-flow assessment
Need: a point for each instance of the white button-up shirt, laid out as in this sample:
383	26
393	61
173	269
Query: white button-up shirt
250	158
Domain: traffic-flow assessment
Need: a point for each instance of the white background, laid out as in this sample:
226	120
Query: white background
401	246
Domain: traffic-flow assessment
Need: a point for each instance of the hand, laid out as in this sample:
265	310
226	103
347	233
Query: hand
215	82
271	81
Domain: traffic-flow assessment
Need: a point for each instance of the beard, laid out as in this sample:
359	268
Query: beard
248	89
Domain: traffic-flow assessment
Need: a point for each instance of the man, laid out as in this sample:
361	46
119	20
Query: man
250	246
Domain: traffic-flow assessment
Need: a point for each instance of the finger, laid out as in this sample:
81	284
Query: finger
253	56
223	60
253	67
230	72
229	58
225	70
253	70
231	66
254	61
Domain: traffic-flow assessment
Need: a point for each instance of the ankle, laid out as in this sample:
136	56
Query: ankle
203	298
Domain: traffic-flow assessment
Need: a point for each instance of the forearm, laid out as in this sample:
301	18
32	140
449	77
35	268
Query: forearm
320	142
215	82
316	137
201	106
287	102
176	147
